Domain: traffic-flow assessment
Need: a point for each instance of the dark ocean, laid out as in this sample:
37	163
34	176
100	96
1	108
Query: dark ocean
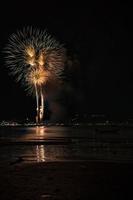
60	143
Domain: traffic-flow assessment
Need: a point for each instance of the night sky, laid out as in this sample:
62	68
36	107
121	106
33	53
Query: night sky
99	71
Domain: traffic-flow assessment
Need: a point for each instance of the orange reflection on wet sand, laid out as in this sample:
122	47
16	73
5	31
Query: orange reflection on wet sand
40	153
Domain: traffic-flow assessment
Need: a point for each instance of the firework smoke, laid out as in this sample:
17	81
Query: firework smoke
33	57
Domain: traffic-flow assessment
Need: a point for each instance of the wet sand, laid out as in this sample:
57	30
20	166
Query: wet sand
78	180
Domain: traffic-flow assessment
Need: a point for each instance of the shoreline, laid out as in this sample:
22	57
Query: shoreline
66	180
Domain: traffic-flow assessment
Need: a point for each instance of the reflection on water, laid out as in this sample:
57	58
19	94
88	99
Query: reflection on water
40	131
41	144
40	153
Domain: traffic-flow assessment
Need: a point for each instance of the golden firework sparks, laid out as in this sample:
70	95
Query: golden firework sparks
41	59
38	76
30	55
34	57
30	51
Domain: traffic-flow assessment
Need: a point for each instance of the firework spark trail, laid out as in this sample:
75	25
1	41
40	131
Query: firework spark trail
25	46
33	57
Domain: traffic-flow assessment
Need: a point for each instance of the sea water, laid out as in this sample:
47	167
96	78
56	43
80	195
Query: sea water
60	143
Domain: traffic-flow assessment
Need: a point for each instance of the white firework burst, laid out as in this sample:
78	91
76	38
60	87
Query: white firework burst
33	57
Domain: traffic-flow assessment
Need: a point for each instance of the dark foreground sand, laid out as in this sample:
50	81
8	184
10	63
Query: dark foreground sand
66	181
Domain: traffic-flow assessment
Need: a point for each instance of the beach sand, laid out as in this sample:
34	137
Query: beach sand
81	180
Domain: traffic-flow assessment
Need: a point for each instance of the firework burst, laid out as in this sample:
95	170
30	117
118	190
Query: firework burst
37	76
32	47
32	57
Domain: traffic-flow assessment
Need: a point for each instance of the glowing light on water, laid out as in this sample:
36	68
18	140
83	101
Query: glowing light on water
40	153
40	131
